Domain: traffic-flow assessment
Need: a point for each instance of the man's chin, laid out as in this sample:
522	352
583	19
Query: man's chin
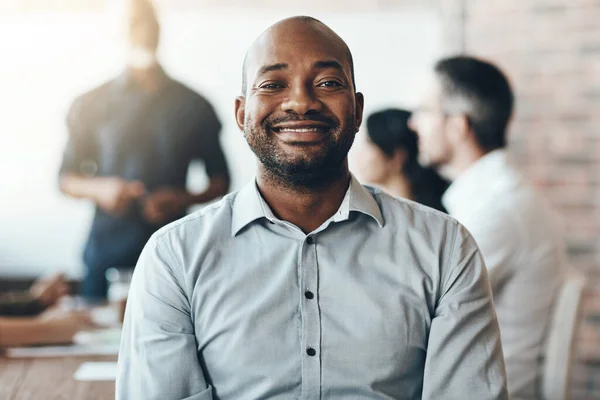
308	167
302	167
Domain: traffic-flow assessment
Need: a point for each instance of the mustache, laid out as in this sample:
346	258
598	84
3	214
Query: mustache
333	122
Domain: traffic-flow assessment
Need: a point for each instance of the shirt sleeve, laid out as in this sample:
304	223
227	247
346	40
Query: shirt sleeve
158	358
79	156
464	355
207	135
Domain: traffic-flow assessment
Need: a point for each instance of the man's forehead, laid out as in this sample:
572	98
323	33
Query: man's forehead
296	44
300	54
433	88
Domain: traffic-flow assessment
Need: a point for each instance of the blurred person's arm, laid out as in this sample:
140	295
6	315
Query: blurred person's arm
165	203
54	328
20	304
211	152
464	355
42	294
207	147
49	290
112	194
158	358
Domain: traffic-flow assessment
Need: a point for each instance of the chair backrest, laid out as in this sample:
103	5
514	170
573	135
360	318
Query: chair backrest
559	343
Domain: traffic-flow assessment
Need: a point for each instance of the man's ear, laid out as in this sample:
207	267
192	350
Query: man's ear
360	103
240	111
458	128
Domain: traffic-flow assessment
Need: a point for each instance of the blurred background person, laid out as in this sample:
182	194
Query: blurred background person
42	294
388	157
131	141
462	125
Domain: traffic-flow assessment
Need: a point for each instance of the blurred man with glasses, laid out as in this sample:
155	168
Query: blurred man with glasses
462	125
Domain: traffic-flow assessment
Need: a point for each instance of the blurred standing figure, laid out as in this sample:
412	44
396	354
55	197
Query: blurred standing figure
131	141
389	159
462	132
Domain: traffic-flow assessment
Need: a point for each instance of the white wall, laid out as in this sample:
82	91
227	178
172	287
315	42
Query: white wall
47	59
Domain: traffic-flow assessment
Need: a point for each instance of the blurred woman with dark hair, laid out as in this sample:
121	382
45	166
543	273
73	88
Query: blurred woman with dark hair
390	160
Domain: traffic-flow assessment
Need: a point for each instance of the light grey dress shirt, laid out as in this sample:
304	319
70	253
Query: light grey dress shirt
524	253
387	299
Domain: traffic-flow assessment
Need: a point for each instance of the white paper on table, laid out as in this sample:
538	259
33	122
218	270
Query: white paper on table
109	336
62	351
86	343
96	371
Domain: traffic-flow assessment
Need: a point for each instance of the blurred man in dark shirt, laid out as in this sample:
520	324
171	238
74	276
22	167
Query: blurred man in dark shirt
131	141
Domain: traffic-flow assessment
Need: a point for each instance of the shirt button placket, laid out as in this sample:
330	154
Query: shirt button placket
311	320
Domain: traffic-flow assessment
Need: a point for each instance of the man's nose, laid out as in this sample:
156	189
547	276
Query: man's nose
302	99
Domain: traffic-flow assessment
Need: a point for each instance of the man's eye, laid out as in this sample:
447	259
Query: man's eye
330	84
271	86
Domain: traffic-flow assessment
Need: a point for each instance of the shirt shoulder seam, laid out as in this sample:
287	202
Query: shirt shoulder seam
227	201
450	259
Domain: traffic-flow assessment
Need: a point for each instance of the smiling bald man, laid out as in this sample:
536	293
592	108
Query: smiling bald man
306	284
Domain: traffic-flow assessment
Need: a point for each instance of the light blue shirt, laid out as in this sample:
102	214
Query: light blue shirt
387	299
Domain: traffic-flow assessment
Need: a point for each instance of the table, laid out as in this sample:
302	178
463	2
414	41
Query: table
51	379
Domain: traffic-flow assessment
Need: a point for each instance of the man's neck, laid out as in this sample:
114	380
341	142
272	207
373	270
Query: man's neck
463	159
147	78
306	208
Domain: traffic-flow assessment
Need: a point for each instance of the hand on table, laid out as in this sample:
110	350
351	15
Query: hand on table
49	290
61	325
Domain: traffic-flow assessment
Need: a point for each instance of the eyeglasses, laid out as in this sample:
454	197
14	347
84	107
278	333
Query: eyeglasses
429	110
445	114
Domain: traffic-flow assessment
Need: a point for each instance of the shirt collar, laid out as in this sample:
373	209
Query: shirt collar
468	187
249	206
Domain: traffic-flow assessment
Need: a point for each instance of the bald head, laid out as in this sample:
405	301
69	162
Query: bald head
144	29
291	29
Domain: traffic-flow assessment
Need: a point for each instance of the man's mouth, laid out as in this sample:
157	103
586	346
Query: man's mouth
300	127
299	130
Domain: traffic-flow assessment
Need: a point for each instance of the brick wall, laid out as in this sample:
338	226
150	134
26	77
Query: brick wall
551	51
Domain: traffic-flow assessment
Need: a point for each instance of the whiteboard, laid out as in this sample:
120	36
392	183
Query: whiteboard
48	59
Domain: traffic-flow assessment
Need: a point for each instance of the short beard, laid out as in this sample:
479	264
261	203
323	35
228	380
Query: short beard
302	175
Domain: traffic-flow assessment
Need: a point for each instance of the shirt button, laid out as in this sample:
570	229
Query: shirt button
309	240
309	295
311	352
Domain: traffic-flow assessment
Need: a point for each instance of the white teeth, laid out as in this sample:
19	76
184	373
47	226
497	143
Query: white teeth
301	130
